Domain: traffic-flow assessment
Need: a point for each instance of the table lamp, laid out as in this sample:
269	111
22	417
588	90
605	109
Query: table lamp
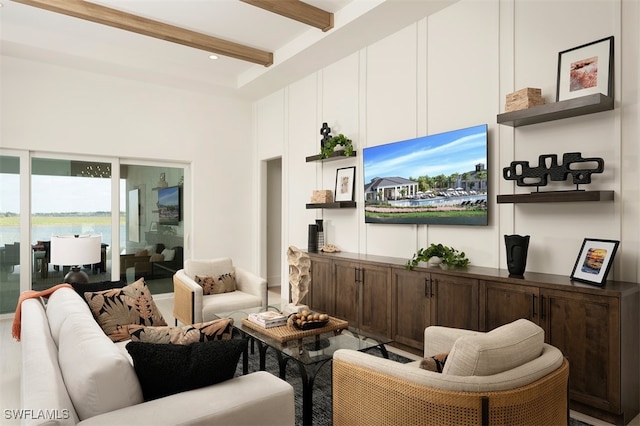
75	251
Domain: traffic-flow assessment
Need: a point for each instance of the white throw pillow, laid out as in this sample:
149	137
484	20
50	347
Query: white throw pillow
501	349
168	254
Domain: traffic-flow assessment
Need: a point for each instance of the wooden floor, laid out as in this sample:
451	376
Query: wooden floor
10	356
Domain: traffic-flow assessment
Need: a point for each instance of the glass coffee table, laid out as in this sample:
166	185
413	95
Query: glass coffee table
309	353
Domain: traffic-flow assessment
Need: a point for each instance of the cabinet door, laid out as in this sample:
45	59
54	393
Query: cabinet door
411	307
346	295
586	329
505	303
321	296
375	309
454	302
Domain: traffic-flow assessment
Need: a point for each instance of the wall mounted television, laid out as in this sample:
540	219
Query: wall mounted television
169	206
438	179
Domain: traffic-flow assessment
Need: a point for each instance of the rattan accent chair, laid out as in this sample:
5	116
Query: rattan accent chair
368	390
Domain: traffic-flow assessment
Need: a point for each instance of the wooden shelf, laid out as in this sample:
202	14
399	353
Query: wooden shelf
556	197
337	155
557	110
334	205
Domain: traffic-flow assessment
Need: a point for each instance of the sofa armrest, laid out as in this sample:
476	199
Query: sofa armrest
249	282
187	299
438	339
258	398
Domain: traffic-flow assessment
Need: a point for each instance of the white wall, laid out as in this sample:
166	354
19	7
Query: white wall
61	110
453	70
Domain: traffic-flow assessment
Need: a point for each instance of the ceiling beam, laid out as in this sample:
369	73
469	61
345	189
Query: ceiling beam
297	10
140	25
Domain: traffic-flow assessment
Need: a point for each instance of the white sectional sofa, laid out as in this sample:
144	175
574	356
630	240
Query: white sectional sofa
72	373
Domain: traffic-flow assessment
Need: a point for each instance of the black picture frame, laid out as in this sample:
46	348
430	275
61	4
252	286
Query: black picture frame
585	70
594	261
345	184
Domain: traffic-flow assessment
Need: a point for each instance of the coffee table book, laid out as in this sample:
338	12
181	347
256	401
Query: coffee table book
268	319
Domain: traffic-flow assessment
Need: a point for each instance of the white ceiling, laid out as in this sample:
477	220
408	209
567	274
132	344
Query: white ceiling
34	34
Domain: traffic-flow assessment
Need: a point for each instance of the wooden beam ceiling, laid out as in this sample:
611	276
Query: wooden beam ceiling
297	10
137	24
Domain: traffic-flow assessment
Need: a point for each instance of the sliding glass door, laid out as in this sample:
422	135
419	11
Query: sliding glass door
9	232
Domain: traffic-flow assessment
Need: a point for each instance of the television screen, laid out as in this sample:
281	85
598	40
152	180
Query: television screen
169	207
438	179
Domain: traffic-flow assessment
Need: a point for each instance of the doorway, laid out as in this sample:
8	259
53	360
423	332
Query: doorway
274	224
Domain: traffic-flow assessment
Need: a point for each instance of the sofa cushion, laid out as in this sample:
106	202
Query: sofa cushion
168	254
218	329
168	369
98	377
63	304
499	350
117	308
224	283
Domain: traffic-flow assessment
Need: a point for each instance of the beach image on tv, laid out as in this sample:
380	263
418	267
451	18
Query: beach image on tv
436	179
593	260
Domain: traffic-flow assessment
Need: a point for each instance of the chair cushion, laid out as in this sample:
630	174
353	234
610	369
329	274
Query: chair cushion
208	267
499	350
168	369
218	329
117	308
168	254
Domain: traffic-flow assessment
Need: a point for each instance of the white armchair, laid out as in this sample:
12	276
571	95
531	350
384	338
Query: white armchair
191	306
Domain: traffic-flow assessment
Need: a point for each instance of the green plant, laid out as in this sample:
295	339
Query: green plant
328	147
449	256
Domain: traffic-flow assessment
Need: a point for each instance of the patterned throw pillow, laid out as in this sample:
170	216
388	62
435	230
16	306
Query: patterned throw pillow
434	363
219	329
115	309
224	283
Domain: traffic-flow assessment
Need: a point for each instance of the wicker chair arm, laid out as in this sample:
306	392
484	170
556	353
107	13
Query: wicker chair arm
187	299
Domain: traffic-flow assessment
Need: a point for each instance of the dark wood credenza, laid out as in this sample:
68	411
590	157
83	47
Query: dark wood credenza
596	328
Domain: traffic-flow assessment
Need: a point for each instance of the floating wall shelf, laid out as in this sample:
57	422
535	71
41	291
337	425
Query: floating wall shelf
557	110
334	205
556	197
337	155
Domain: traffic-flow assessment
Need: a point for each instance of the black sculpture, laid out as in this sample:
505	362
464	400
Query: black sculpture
525	175
325	131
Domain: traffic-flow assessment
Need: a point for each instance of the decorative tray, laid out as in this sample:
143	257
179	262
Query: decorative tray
284	333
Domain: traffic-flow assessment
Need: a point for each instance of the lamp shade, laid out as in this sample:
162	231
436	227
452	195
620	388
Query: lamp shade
70	250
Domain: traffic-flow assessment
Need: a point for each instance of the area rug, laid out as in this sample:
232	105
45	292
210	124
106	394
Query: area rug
322	402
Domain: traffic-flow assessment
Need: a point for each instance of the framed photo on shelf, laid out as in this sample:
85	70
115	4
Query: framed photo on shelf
594	261
153	227
585	70
345	183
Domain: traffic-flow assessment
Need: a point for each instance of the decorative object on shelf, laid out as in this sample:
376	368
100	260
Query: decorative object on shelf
329	248
322	196
325	131
585	70
345	183
548	167
162	183
312	239
448	255
523	99
320	233
594	261
517	247
329	145
153	227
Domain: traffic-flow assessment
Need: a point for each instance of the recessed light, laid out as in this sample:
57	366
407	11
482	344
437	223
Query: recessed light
213	56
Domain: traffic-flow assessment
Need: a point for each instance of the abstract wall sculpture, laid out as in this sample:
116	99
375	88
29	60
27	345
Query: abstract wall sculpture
548	168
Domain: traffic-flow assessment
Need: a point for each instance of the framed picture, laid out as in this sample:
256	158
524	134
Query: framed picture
594	261
345	183
153	227
585	70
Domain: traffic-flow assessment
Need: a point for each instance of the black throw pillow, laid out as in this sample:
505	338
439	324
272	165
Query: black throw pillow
165	369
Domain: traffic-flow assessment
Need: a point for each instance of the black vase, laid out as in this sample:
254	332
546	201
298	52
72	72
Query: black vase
517	247
312	243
